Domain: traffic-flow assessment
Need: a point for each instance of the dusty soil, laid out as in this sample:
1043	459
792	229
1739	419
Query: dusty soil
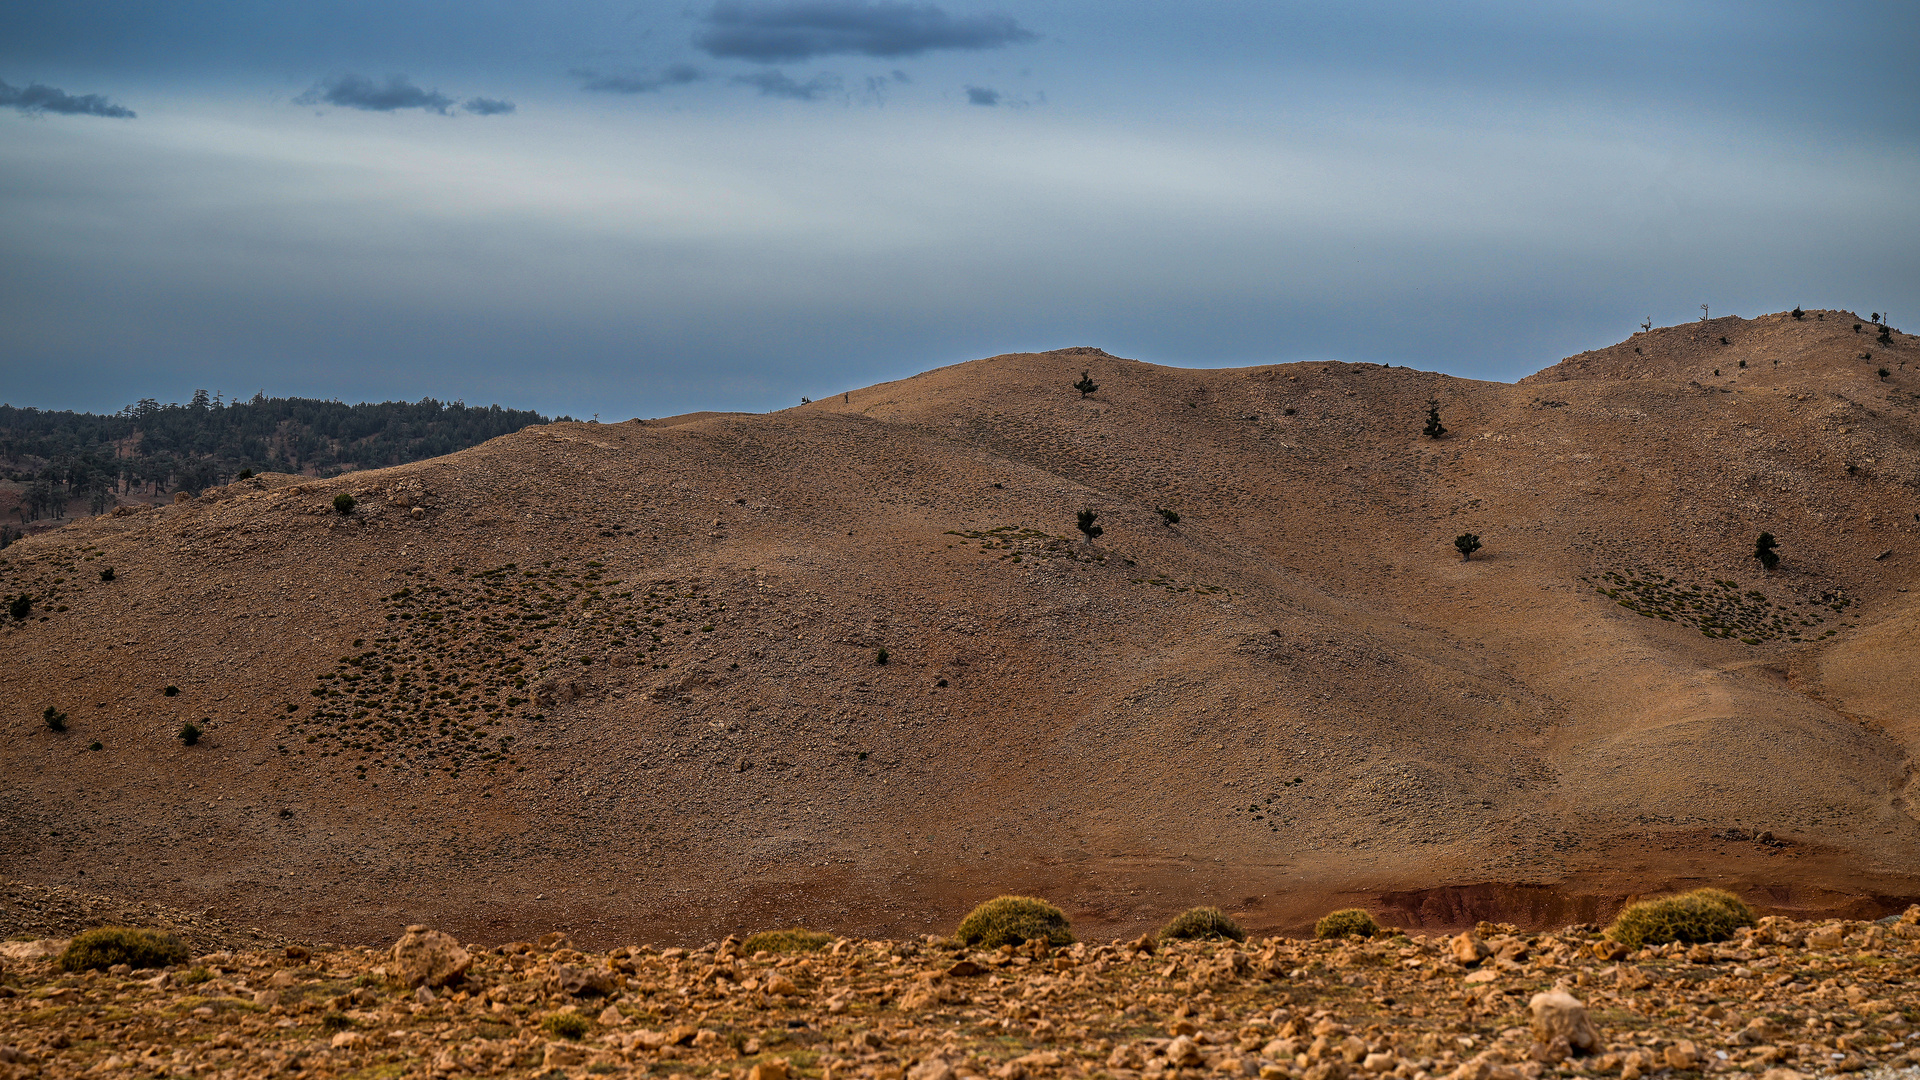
1782	1000
624	679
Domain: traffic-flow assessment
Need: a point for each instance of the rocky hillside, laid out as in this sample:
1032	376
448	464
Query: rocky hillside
853	664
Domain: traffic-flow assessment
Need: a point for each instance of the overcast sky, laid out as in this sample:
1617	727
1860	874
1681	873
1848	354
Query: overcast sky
642	208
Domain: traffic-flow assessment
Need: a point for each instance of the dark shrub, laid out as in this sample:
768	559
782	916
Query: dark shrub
1086	525
107	574
1086	385
1202	923
55	719
20	606
343	503
1466	544
1763	548
1171	517
171	690
1015	920
1434	428
189	733
100	949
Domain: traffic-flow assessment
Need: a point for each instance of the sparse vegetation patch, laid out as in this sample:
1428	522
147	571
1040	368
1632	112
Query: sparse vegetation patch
1719	610
464	669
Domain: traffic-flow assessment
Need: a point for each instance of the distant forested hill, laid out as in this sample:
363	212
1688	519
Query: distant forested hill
149	449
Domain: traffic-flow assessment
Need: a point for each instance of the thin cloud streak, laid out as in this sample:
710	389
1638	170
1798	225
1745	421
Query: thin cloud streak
779	33
642	83
352	91
777	84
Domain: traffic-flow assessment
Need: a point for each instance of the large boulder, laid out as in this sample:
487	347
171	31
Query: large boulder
427	957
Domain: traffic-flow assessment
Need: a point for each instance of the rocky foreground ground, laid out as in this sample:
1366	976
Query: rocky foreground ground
1783	999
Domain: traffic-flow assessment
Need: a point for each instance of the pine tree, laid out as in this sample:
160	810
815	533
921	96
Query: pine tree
1086	385
1087	526
1434	428
1763	549
1466	544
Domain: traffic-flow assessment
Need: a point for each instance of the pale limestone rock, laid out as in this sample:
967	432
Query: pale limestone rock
931	1069
1559	1015
1470	950
579	981
427	957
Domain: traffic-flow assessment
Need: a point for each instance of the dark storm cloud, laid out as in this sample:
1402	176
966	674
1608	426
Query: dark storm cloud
772	33
483	106
359	92
644	83
982	95
777	84
39	98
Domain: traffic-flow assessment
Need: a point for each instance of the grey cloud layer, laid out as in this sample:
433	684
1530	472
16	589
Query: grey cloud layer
982	95
40	98
773	33
351	91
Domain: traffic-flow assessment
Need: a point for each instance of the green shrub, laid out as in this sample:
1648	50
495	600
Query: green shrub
793	940
567	1025
333	1021
1694	917
1347	922
1086	385
1434	429
881	656
96	746
1466	544
189	733
106	946
56	720
1015	920
1202	922
343	503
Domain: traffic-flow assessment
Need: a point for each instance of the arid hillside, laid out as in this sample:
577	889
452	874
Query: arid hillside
853	665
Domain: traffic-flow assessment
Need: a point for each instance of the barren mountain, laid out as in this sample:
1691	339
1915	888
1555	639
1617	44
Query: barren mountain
628	679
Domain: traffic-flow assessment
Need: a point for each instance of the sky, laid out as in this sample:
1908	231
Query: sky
640	209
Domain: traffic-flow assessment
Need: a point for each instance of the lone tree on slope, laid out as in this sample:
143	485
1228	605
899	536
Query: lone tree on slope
1466	544
1086	385
1086	525
1763	549
1434	428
